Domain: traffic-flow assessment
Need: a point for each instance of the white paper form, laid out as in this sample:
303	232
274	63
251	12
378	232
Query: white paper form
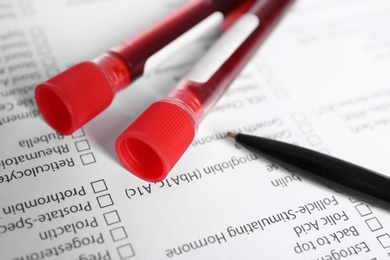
321	81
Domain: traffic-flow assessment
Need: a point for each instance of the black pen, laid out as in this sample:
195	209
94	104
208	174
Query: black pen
330	168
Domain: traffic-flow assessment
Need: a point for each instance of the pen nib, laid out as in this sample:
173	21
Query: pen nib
231	135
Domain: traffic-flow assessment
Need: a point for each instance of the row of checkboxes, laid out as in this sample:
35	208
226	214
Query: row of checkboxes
26	7
118	233
104	200
42	48
363	209
271	79
372	222
82	146
307	129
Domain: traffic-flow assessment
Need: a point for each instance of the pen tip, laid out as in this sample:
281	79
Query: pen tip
231	135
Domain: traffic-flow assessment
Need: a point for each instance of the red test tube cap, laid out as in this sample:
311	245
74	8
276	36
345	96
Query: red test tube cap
73	97
155	141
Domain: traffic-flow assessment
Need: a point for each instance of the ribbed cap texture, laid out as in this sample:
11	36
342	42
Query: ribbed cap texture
83	89
165	128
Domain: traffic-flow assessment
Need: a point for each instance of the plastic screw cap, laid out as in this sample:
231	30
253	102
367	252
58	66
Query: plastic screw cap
72	98
155	141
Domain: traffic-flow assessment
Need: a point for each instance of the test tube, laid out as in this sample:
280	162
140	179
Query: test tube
156	140
72	98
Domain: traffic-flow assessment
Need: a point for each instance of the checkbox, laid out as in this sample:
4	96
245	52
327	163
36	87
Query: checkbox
374	224
298	117
384	240
99	186
43	49
82	145
87	158
111	217
306	128
36	31
363	209
274	83
118	234
39	40
105	201
314	140
78	133
52	71
48	61
352	200
126	251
